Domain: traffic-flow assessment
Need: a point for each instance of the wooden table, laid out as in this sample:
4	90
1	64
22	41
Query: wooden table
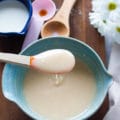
80	29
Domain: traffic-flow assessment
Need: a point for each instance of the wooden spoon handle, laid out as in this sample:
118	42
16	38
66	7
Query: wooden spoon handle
15	58
64	12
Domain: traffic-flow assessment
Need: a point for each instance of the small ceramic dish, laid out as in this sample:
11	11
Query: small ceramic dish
15	16
13	75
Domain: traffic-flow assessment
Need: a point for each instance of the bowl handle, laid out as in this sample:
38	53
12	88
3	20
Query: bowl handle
109	79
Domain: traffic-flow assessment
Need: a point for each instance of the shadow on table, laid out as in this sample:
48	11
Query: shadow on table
11	43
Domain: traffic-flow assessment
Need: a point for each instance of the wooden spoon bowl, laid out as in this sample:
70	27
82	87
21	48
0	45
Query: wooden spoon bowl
59	24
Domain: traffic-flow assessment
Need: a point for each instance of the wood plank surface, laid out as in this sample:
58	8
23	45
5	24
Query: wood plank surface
80	29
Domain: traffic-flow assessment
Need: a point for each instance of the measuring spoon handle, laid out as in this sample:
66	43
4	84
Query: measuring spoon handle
64	12
33	32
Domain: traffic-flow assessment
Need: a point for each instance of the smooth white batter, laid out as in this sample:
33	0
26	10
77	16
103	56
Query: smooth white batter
59	97
13	16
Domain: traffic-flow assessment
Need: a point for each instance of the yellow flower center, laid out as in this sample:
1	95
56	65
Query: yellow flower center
112	6
118	29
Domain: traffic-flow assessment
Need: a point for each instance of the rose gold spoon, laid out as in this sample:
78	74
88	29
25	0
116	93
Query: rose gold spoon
51	61
59	24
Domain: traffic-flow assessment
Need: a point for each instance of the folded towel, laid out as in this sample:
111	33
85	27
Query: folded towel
114	91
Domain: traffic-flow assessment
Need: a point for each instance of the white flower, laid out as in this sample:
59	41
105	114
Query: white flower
105	16
98	21
114	16
107	6
113	30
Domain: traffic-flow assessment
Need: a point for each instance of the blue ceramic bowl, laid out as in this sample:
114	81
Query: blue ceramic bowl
28	5
13	76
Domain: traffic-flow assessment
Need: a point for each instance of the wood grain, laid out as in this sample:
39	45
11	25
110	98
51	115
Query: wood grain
80	29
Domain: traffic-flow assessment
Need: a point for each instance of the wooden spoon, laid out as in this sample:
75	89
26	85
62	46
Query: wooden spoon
51	61
59	24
